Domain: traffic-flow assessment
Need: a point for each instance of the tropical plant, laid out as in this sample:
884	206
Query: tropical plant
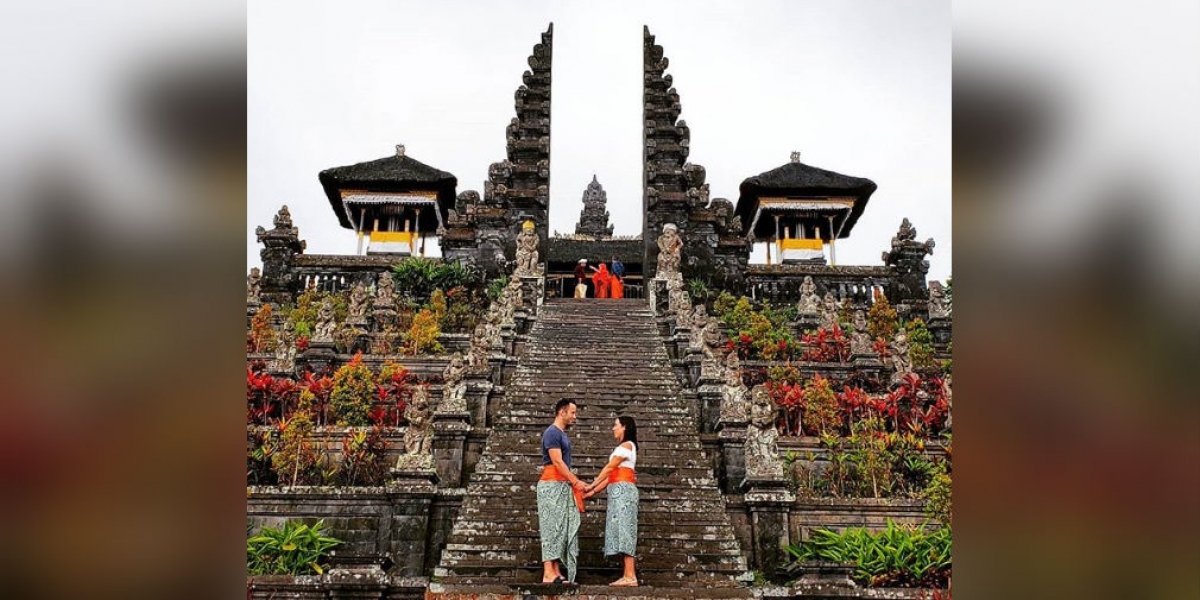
496	287
826	345
895	557
938	493
423	334
261	446
262	336
395	390
297	460
820	407
363	462
294	549
882	320
921	346
353	394
418	277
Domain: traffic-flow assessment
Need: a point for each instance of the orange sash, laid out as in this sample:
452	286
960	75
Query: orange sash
550	473
623	475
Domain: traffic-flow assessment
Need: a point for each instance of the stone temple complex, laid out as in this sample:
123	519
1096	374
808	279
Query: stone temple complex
723	479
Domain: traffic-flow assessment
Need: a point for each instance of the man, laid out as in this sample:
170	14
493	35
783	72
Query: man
580	278
559	498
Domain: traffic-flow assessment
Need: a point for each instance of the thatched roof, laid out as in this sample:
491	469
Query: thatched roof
396	173
798	180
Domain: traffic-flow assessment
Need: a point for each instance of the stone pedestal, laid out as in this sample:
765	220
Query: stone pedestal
731	436
693	360
478	391
677	345
368	583
710	394
508	332
318	357
656	292
533	292
411	493
496	366
769	502
449	446
866	361
805	323
940	329
521	317
251	310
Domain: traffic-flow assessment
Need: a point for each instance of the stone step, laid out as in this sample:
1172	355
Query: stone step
607	356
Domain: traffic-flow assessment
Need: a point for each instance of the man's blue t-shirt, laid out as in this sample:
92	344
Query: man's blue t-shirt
555	438
618	269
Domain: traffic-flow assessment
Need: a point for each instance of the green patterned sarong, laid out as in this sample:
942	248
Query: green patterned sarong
558	523
621	522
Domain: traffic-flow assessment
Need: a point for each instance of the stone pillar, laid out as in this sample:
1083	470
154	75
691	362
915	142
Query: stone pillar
411	493
660	300
533	292
709	393
769	502
732	439
479	389
449	446
941	330
278	284
318	357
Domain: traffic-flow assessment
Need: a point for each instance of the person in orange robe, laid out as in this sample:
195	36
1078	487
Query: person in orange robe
616	287
601	280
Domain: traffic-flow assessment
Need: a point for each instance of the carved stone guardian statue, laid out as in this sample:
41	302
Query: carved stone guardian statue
669	249
527	251
810	302
733	394
860	340
418	437
454	390
762	450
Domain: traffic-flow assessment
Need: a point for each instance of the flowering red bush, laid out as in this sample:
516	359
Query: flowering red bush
395	390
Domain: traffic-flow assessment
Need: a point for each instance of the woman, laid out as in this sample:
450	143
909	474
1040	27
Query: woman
618	476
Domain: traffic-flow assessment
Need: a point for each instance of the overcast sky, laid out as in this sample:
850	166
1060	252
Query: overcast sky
858	87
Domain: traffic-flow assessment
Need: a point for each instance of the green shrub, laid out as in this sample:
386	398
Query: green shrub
294	549
296	460
354	392
418	277
921	346
882	320
938	494
897	556
423	334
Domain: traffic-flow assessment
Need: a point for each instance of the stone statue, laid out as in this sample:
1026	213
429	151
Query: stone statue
385	291
699	322
949	402
669	248
283	219
810	302
860	340
454	390
418	437
477	357
710	366
527	252
518	294
939	305
899	354
683	318
285	350
326	327
733	394
358	305
253	286
761	449
678	299
829	312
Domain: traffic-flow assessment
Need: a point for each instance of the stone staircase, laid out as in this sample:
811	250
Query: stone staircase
606	355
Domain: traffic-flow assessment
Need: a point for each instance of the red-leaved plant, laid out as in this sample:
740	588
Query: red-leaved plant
826	345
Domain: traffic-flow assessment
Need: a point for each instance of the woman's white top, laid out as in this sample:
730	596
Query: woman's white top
630	456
